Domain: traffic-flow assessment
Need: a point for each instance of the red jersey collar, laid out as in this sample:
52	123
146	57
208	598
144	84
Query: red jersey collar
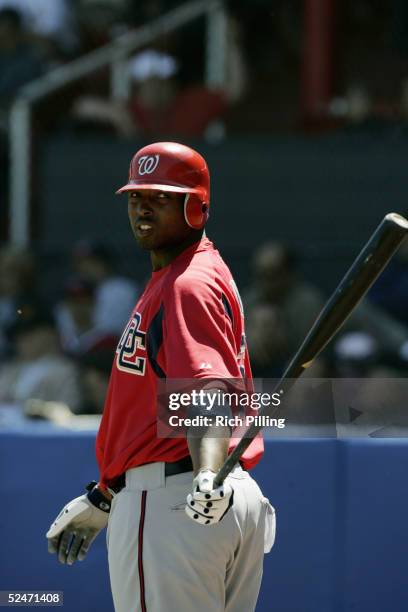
202	245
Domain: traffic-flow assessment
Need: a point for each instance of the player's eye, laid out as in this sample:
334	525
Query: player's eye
163	196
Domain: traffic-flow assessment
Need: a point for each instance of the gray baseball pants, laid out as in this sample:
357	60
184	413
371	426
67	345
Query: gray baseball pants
161	561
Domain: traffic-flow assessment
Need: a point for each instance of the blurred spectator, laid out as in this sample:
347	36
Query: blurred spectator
96	365
157	105
267	340
74	316
20	59
38	370
50	23
115	295
389	334
294	305
376	402
359	355
46	18
17	287
161	106
355	355
166	99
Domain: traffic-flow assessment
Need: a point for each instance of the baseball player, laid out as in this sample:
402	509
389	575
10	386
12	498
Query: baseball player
176	543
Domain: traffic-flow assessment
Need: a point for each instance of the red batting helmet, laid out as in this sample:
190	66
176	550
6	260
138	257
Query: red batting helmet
170	166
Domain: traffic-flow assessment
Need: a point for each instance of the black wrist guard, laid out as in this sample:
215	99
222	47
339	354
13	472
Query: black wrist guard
97	498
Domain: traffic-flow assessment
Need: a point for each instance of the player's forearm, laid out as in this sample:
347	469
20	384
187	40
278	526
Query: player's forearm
210	450
208	445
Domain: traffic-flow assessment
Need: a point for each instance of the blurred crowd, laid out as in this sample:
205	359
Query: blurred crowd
168	91
281	308
60	353
262	89
169	97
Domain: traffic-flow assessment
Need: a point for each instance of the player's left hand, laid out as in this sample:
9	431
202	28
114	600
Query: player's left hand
75	528
207	505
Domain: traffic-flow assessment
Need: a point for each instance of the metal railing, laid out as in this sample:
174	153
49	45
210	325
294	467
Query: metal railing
115	55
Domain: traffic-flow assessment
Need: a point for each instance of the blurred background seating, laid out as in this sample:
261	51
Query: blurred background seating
18	288
282	303
305	159
37	369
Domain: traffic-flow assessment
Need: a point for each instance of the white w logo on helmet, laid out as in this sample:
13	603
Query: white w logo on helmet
148	164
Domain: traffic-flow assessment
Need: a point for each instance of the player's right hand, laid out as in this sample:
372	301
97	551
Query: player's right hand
75	528
207	505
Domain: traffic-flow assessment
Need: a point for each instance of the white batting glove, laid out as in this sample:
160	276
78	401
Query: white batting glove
76	527
206	505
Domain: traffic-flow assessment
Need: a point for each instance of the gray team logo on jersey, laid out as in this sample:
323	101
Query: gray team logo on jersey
148	164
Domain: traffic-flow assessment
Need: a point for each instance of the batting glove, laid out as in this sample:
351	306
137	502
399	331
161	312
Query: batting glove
77	525
206	505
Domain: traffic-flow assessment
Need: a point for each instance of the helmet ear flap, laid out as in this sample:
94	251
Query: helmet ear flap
195	211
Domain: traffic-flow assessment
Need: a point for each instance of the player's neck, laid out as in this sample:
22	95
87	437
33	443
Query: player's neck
163	257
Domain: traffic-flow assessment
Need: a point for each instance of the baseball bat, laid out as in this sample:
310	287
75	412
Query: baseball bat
366	268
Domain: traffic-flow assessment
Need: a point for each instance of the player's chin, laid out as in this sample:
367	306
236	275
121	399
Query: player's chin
145	241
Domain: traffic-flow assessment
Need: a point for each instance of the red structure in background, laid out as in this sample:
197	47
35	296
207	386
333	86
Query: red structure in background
317	60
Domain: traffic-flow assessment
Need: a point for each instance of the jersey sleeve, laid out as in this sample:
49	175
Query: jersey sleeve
199	340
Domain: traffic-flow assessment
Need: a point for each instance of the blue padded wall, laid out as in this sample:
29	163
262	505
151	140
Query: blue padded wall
342	509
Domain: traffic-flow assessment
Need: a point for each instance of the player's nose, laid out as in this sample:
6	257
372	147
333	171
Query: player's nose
144	210
141	208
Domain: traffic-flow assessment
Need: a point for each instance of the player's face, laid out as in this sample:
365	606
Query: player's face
157	218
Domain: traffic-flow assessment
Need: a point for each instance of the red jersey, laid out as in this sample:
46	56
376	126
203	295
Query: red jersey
187	324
